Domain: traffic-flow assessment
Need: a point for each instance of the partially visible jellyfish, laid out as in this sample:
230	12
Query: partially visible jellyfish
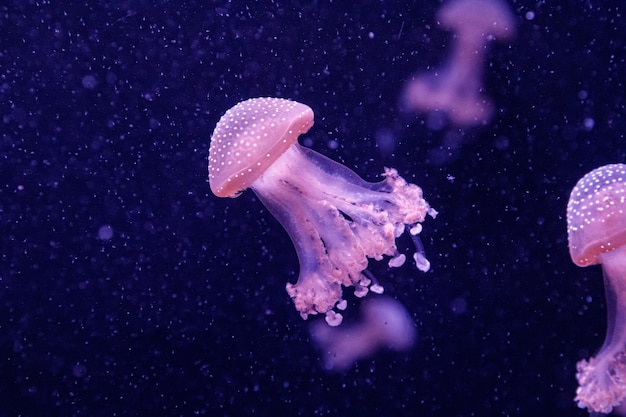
335	219
455	89
385	323
596	226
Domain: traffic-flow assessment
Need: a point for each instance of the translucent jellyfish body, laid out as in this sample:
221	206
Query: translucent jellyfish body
384	323
596	225
456	88
335	219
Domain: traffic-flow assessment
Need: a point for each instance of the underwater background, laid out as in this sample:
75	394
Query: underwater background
127	288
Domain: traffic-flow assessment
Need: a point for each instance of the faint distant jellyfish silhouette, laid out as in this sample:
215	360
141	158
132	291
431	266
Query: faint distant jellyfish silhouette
385	323
455	89
335	219
596	226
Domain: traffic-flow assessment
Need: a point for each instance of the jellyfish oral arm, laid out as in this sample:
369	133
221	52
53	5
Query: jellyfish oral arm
336	221
602	379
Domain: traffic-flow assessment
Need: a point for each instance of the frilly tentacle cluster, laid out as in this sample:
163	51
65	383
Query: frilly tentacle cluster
354	227
602	382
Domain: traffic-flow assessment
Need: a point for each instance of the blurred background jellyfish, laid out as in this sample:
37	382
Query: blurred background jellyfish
335	219
455	89
384	323
596	226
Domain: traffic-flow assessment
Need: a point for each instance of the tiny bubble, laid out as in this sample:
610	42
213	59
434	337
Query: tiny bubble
89	82
105	232
79	370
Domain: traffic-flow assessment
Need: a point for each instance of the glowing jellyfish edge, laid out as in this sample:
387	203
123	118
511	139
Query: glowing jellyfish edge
335	219
596	225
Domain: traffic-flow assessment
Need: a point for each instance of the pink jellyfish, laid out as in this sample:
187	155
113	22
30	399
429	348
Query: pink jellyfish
596	226
335	219
456	88
385	323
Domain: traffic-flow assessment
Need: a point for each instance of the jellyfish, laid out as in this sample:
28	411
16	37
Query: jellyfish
596	226
385	323
455	89
335	219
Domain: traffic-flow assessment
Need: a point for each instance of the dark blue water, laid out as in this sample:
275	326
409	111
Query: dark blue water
107	111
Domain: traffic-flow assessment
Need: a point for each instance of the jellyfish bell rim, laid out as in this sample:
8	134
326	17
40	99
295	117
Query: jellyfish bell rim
585	256
233	182
590	253
495	18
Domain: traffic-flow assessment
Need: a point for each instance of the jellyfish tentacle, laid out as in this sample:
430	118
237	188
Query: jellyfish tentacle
316	290
336	221
602	379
